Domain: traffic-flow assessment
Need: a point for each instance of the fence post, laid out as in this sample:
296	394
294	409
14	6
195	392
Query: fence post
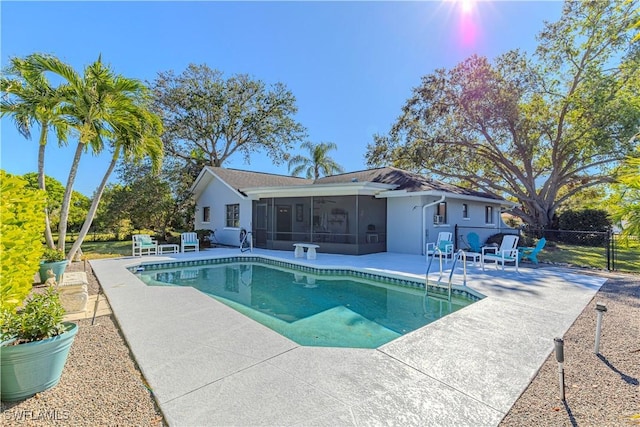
608	250
612	237
455	237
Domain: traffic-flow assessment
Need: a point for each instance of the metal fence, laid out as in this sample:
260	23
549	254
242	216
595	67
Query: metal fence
604	250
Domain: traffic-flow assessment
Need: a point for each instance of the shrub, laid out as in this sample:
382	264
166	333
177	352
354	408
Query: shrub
590	226
584	220
53	255
496	239
204	236
39	319
21	228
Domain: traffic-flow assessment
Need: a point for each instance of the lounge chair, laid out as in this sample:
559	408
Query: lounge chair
443	246
507	252
189	241
141	243
532	253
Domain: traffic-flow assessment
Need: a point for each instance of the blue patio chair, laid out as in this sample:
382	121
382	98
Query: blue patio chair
532	253
474	242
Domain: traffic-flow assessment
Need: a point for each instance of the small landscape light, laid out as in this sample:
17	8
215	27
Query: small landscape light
600	308
559	347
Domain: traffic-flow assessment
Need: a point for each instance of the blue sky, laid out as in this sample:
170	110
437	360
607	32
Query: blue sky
350	65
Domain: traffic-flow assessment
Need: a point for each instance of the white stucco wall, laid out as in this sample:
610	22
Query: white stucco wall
404	225
217	195
405	229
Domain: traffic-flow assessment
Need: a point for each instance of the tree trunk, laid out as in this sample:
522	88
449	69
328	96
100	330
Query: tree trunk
48	236
537	214
92	210
66	201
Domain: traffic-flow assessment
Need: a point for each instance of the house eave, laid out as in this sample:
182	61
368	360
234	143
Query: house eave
324	190
201	182
447	195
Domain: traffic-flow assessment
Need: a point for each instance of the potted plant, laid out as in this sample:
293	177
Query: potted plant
53	259
34	343
34	346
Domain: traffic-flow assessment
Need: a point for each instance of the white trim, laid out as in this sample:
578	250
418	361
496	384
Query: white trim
200	177
405	193
324	190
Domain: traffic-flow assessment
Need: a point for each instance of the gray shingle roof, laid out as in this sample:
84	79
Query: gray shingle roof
405	180
244	179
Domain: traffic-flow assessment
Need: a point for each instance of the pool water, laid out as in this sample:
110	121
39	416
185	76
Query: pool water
312	309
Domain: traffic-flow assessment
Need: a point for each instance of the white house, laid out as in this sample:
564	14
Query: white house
375	210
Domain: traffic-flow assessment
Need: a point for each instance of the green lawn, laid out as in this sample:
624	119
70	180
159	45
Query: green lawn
110	249
627	254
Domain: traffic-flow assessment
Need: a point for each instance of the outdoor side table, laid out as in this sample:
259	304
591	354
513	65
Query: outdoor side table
168	249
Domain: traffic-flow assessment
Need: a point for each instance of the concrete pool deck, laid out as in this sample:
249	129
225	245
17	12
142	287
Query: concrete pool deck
210	365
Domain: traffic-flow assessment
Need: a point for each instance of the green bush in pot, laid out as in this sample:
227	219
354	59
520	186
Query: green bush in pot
53	259
35	345
34	342
39	319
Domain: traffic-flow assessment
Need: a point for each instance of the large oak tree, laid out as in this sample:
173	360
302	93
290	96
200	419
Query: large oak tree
537	129
208	118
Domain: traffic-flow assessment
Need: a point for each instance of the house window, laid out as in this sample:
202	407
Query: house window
441	214
465	211
206	212
233	215
488	214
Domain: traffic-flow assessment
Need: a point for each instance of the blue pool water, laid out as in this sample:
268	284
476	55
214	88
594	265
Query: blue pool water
309	308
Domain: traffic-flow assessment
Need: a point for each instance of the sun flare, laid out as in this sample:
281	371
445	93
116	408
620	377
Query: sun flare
466	6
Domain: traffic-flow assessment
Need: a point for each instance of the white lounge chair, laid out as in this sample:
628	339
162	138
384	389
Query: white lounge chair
443	246
141	243
189	240
507	252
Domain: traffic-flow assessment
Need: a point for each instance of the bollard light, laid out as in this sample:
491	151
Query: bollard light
559	347
600	309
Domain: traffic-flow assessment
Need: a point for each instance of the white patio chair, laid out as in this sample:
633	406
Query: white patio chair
507	252
189	241
141	243
443	246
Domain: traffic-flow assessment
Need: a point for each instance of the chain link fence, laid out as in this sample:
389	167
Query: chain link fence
603	250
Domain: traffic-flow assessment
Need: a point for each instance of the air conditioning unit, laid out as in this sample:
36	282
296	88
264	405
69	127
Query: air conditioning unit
438	219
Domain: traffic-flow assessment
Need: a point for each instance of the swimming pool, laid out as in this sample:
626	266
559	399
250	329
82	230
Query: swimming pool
313	307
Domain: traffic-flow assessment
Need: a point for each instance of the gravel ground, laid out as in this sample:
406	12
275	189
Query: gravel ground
600	389
101	385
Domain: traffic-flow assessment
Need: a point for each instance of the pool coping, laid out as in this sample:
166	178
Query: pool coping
320	272
465	369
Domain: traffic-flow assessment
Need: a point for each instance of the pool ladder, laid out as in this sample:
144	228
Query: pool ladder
457	256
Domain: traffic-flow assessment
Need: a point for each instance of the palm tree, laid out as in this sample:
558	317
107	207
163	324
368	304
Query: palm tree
94	106
318	163
30	99
136	135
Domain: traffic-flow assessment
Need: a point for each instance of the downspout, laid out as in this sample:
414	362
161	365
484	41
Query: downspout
424	221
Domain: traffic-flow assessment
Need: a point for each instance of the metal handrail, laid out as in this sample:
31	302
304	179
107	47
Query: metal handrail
459	254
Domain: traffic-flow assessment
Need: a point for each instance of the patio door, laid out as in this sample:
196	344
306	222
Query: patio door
283	222
260	221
